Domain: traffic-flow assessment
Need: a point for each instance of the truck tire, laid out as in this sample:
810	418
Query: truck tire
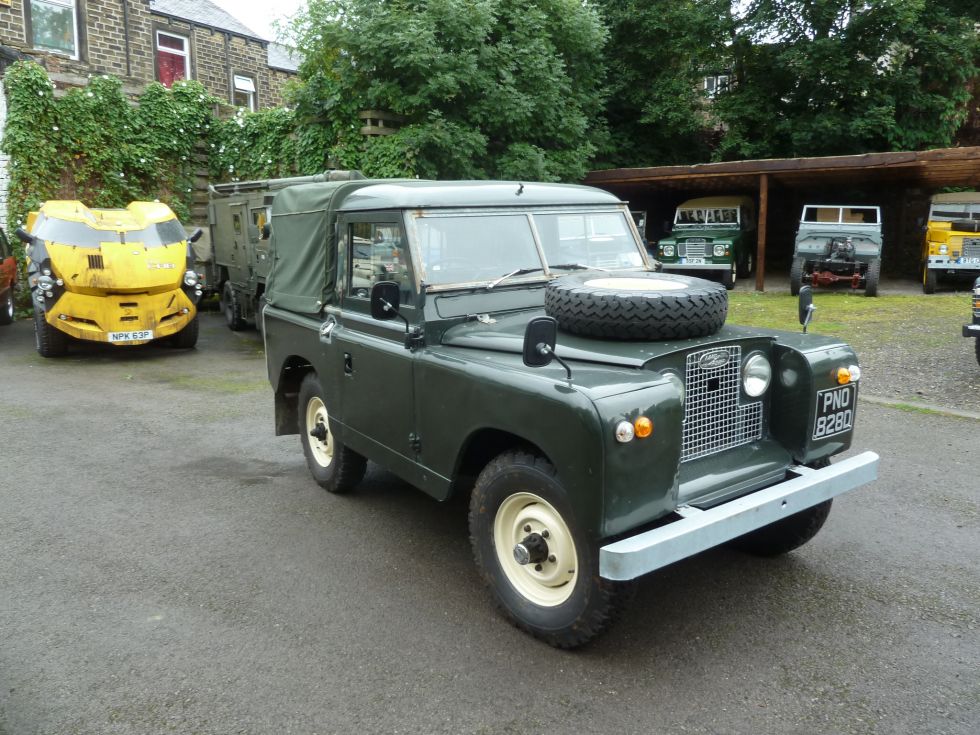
231	308
929	279
783	536
7	307
557	596
335	467
50	342
636	306
796	276
747	266
871	277
186	338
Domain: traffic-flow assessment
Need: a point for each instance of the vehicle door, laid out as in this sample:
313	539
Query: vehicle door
377	384
236	238
259	245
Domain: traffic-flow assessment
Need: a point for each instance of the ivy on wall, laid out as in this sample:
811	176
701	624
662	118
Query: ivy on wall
94	145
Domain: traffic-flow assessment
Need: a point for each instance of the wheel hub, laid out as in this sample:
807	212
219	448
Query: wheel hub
532	550
319	433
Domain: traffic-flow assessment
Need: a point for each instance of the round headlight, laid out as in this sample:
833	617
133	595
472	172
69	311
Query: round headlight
943	249
756	374
668	250
624	432
190	278
719	250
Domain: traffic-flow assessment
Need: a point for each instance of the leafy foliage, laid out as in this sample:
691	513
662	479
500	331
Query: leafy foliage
485	87
93	145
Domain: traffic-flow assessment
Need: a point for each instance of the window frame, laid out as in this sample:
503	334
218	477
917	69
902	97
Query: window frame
78	26
157	49
253	96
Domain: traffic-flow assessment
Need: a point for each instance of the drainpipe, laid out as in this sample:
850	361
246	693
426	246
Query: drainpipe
125	9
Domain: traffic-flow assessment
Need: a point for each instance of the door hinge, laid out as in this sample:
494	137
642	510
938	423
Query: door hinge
415	442
414	339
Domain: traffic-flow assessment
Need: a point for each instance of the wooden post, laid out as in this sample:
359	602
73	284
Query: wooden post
760	253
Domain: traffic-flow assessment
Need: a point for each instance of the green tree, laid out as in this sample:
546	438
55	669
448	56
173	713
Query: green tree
485	88
822	77
658	53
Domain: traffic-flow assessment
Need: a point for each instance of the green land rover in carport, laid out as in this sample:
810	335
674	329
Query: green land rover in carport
601	418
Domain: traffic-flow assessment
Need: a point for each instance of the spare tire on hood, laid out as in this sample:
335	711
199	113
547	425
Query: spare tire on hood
637	305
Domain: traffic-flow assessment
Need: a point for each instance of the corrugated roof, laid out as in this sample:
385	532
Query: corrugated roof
283	57
205	13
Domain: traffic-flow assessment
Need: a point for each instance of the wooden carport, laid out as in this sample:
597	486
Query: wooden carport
927	170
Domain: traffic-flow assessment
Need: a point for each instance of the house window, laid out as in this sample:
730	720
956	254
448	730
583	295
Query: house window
716	84
243	91
54	26
173	58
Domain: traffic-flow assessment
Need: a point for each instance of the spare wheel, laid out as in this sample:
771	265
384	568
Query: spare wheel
636	305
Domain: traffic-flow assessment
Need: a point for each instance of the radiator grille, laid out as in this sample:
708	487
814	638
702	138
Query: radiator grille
971	248
694	248
95	261
714	420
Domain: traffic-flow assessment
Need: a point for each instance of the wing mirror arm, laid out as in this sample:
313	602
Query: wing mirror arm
540	338
806	307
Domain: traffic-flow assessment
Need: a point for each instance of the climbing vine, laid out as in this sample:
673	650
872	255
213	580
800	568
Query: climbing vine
95	145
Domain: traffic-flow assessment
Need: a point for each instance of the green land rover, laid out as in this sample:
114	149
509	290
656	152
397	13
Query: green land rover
712	235
512	343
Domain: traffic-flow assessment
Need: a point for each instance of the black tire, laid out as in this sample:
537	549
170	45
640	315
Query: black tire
49	341
728	277
186	338
871	277
561	599
747	266
796	276
929	279
783	536
259	305
976	347
335	467
231	308
7	307
671	307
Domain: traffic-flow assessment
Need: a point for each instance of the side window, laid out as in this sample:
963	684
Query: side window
53	25
377	253
173	58
243	91
237	223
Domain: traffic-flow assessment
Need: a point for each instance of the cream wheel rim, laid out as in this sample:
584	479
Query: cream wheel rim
316	414
552	581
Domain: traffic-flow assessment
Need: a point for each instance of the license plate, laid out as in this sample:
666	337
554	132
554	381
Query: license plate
693	261
835	411
137	336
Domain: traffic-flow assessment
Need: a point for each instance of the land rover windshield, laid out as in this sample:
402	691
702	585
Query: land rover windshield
467	248
80	234
707	216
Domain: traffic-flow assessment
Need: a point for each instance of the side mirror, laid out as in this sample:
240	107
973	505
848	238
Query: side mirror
266	230
385	299
806	307
196	235
540	339
24	236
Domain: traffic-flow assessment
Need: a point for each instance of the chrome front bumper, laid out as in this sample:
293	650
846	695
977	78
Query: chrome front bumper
698	530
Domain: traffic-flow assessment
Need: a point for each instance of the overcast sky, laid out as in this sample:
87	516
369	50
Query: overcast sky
259	15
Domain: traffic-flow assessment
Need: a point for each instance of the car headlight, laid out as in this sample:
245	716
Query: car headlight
756	374
190	279
668	250
943	249
719	250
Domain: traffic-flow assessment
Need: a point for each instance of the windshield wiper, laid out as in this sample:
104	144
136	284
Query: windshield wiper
518	272
561	266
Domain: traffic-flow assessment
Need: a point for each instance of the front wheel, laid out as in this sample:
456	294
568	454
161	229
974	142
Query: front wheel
186	338
542	569
50	342
335	467
871	277
728	277
748	265
796	276
231	308
929	279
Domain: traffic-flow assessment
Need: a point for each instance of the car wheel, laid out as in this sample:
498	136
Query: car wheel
186	338
871	277
796	276
335	467
541	569
231	308
748	265
785	535
49	341
7	307
929	279
977	348
728	277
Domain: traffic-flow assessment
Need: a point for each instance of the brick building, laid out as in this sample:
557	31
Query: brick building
141	41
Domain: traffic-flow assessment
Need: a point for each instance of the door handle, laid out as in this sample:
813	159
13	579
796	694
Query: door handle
348	364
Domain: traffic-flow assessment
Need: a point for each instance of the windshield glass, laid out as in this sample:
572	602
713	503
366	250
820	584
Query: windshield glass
82	235
841	215
951	212
474	248
710	216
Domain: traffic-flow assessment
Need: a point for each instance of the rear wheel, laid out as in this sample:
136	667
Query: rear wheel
335	467
49	341
929	279
748	265
728	277
542	569
7	307
796	276
871	277
231	308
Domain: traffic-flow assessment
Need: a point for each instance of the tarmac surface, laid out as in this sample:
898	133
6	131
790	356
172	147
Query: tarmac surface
168	566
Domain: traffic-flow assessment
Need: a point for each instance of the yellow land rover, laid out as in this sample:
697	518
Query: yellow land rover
952	243
122	276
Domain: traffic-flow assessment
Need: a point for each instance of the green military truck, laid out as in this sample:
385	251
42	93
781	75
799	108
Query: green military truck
238	213
712	236
600	417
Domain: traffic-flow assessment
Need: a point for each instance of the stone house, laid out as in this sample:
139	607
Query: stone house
141	41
